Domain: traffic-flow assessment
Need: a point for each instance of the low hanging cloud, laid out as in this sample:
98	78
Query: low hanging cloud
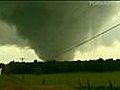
52	27
9	35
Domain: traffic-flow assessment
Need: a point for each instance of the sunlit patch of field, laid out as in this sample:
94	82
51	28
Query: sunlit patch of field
66	81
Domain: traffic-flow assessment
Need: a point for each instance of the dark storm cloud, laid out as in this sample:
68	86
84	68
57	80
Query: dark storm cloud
52	27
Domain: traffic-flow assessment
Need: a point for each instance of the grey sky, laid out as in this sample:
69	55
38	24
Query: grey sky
51	27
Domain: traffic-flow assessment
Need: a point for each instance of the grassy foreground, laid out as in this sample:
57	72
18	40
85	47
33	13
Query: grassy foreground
67	81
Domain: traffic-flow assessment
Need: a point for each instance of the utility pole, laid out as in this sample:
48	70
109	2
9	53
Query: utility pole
22	59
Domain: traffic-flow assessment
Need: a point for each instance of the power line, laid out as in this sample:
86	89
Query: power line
88	40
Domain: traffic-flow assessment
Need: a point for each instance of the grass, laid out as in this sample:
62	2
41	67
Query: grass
64	81
73	78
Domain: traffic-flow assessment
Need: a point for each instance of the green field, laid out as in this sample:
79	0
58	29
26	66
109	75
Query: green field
65	81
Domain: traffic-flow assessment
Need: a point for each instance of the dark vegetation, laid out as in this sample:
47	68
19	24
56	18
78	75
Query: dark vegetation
81	81
51	67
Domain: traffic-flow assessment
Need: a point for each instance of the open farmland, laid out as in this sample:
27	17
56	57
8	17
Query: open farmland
66	81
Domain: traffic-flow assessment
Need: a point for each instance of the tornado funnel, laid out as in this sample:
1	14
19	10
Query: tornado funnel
52	27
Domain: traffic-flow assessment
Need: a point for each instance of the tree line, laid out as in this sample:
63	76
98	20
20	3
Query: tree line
50	67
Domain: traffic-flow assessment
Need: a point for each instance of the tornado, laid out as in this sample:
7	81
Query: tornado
52	27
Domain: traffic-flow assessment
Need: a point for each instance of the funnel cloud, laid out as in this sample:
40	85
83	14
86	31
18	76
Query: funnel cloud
52	27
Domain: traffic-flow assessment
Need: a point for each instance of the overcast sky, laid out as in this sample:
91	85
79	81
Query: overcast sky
42	30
